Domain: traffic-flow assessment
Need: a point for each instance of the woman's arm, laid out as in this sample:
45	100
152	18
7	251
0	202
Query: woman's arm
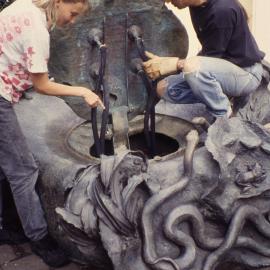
43	85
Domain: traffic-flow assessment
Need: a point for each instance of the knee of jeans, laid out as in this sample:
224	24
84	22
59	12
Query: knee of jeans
191	64
161	88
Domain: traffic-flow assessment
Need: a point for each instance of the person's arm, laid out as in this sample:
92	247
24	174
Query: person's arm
43	85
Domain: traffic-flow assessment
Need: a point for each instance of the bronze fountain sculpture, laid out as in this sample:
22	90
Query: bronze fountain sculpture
130	188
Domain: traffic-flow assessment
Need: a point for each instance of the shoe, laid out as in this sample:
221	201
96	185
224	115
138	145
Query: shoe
9	237
49	251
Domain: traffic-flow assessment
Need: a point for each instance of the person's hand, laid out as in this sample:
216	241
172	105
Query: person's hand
157	66
92	99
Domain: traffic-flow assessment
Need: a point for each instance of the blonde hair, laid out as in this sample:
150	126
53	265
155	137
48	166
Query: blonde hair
49	7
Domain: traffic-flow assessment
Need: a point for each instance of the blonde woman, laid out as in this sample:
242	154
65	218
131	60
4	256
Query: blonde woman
24	53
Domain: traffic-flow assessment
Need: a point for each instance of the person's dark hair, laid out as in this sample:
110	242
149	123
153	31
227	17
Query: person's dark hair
5	3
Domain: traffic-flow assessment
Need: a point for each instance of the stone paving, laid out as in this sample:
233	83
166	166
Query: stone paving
20	257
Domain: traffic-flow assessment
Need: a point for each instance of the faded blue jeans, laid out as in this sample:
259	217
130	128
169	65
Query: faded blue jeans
211	83
18	166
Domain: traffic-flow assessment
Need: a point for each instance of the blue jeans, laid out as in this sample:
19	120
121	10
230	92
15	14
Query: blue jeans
18	166
211	83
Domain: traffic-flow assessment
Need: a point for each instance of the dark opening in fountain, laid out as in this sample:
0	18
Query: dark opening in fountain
166	145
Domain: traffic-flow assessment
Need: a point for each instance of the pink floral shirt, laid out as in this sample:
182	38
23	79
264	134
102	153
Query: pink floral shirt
24	47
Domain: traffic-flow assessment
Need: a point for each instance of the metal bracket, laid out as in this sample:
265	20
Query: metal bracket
120	128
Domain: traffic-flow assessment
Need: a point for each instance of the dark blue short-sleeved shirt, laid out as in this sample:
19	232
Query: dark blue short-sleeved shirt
223	32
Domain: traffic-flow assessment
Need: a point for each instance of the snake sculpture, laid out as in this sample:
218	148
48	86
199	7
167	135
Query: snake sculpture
156	201
115	193
218	246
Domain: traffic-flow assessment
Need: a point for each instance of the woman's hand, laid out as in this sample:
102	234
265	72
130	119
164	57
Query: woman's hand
92	99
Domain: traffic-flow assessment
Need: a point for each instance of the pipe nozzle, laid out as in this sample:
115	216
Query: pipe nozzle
95	37
136	65
134	32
